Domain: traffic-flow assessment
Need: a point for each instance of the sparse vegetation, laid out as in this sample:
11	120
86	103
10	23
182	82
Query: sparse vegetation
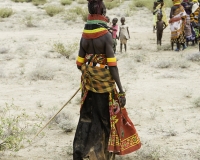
112	4
182	64
13	128
84	15
197	102
34	2
39	69
71	16
162	64
42	71
52	10
139	57
29	21
65	121
164	47
38	2
65	51
194	57
66	2
149	152
5	12
69	150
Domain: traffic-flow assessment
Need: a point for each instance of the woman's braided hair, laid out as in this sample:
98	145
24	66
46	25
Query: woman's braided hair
96	7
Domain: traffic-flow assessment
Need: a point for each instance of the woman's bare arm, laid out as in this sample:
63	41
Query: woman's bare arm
113	69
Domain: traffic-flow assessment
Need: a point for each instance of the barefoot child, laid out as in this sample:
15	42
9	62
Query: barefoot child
160	26
123	34
114	33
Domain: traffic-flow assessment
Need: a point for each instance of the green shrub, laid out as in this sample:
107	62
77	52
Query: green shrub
83	12
71	17
15	130
77	10
5	12
112	4
66	2
38	2
140	3
53	10
84	15
65	51
12	133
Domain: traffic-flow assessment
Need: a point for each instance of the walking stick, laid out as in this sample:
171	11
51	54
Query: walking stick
56	114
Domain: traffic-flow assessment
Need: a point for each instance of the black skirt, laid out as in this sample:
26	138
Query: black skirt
93	130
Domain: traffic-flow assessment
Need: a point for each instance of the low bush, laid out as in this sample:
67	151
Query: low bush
52	10
15	129
66	2
42	71
65	51
5	12
29	21
38	2
162	64
112	4
194	57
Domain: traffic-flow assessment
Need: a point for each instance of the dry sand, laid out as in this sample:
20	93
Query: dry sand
159	100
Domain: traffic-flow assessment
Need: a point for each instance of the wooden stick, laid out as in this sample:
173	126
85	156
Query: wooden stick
55	114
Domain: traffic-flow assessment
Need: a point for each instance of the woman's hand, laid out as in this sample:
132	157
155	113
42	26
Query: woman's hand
122	99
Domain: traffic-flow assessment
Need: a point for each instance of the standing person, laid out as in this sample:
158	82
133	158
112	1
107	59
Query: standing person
159	7
114	33
177	22
194	18
123	34
189	31
160	26
104	128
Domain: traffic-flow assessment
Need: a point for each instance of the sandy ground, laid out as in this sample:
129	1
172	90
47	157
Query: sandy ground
159	100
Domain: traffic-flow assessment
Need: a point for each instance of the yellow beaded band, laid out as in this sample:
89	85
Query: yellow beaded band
80	61
112	61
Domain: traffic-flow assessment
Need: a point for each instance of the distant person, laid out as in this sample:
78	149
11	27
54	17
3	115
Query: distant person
114	33
177	23
189	30
159	7
123	34
160	26
194	18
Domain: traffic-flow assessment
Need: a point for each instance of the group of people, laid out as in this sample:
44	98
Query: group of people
184	22
119	33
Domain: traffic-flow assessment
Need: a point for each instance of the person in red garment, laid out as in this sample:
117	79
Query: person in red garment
104	128
114	33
